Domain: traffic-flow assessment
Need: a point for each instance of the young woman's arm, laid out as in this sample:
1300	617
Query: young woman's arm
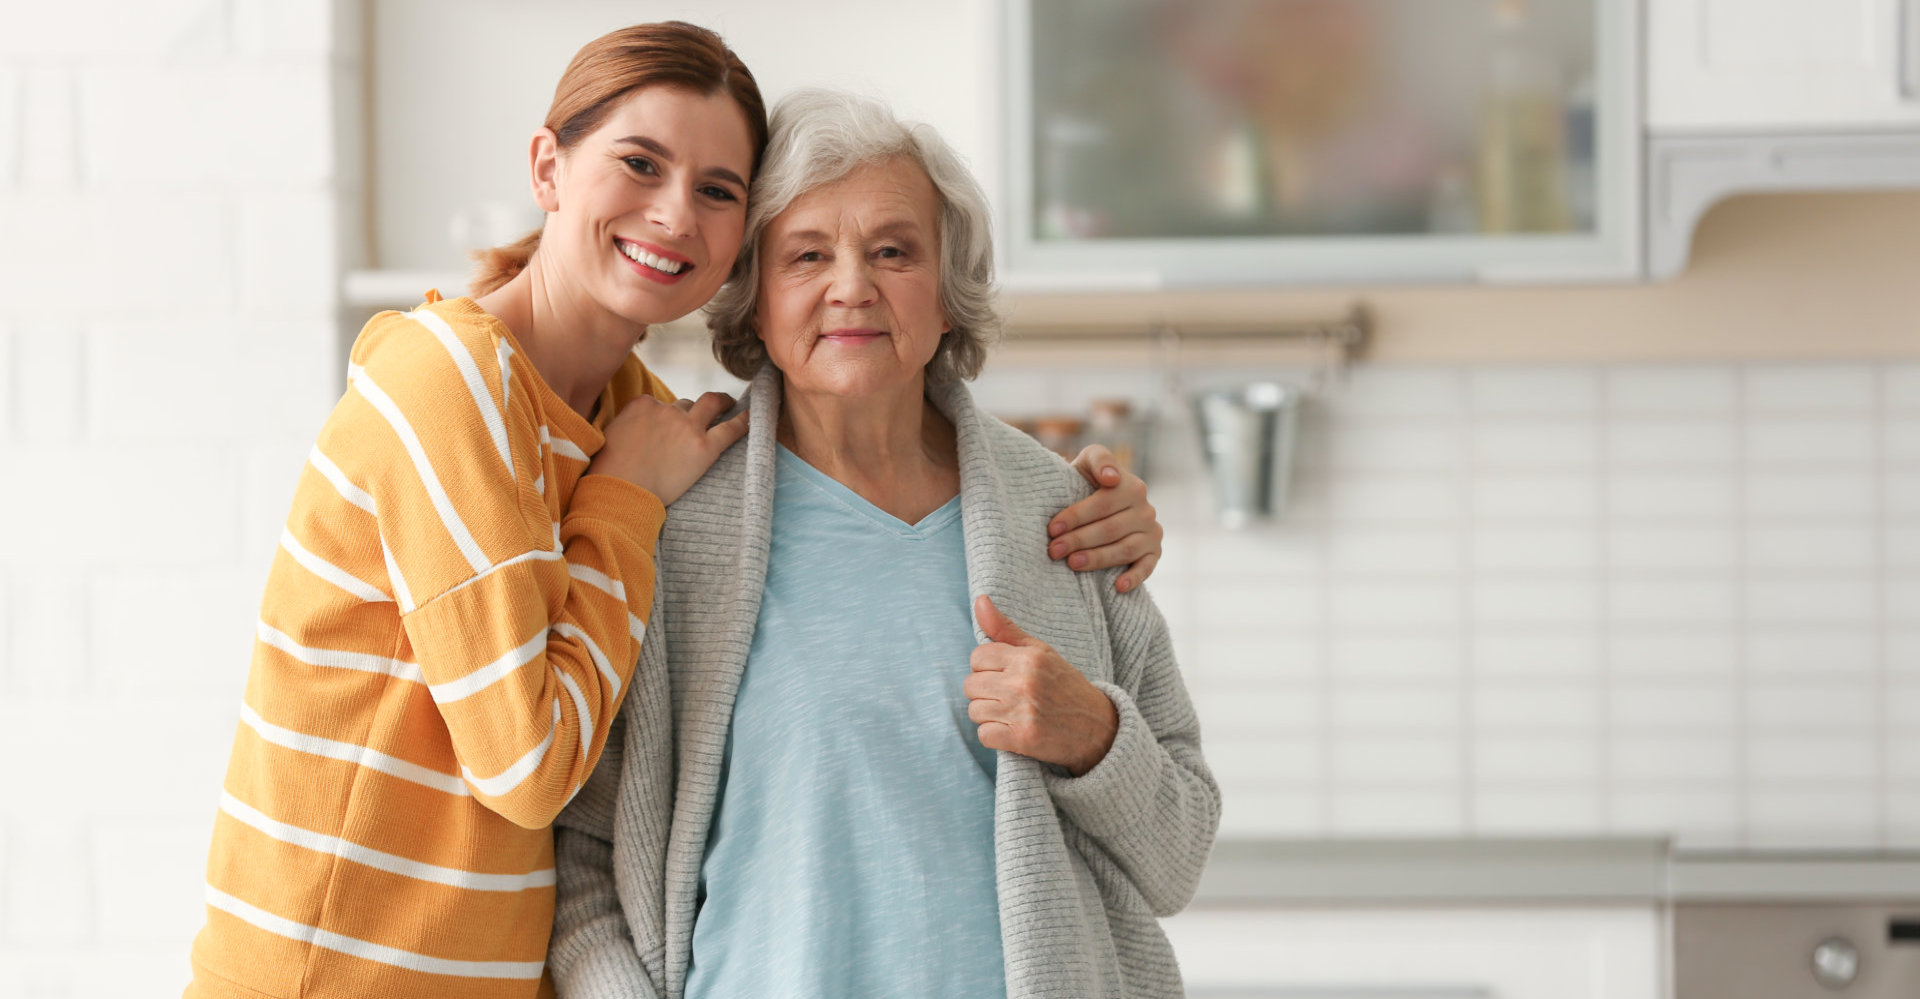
1115	526
524	628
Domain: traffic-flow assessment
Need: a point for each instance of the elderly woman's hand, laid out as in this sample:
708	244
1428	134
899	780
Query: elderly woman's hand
1028	700
1114	526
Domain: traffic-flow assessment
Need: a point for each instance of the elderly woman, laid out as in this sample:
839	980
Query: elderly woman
856	793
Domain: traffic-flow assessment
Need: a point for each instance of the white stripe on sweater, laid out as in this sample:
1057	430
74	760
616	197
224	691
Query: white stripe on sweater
337	658
507	780
391	863
372	759
490	674
476	383
599	581
562	446
503	352
449	517
348	491
586	717
331	573
397	579
574	632
381	953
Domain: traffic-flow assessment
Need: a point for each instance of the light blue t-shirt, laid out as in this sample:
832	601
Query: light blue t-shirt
851	853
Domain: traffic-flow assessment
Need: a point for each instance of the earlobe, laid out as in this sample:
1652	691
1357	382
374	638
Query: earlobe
543	157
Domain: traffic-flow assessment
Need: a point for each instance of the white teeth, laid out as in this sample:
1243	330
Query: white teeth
660	264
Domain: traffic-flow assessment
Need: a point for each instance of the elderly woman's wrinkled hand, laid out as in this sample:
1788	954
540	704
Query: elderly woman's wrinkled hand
1114	526
1028	700
666	449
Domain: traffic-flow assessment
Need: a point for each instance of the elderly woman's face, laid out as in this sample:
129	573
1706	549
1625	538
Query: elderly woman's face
850	282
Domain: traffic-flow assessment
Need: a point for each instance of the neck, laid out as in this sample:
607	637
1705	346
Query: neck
893	448
573	343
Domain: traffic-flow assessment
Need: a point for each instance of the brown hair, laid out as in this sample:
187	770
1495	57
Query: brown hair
667	53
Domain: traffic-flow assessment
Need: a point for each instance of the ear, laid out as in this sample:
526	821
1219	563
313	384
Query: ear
543	159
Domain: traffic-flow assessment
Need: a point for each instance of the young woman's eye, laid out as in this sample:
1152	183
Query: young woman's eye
640	164
718	193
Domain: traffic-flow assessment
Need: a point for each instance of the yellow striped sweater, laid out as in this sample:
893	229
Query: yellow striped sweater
449	624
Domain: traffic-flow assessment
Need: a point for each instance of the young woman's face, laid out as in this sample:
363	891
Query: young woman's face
646	212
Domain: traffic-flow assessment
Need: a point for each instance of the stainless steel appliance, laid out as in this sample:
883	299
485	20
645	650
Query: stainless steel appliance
1761	950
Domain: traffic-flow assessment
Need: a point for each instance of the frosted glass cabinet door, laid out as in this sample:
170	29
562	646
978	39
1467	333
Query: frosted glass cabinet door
1760	65
1222	142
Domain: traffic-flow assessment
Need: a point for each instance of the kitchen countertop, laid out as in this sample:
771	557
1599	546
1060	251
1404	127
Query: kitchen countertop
1462	871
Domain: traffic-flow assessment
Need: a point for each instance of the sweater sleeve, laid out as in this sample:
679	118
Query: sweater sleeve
1151	802
525	630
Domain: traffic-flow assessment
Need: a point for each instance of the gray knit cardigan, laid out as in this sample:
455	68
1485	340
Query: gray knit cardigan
1084	865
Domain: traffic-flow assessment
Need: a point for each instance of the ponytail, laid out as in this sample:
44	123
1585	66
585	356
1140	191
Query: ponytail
498	265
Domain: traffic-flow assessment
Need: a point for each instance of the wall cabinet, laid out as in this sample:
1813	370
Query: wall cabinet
1767	65
1774	95
1218	142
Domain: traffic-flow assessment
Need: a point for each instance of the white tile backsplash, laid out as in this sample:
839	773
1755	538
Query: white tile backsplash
1830	495
1671	443
1534	445
1669	390
1524	497
1510	706
1500	549
1667	599
1900	387
1900	441
1505	759
1670	496
1799	651
1842	546
1808	388
1533	391
1674	548
1775	441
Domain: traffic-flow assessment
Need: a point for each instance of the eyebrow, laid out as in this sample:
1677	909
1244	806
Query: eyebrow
654	147
897	228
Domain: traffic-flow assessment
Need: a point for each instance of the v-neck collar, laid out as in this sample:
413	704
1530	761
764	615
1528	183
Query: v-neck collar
860	506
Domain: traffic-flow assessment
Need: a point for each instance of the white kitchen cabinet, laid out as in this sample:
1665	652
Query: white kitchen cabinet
1761	66
1546	952
1217	143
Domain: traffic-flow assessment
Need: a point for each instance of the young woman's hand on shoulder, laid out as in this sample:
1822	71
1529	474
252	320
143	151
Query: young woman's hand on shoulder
666	449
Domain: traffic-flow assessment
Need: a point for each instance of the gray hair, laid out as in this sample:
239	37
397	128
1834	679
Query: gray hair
819	136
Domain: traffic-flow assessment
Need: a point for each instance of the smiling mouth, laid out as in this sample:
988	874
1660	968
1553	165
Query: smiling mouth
645	258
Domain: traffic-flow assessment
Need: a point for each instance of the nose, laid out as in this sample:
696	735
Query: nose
672	210
851	286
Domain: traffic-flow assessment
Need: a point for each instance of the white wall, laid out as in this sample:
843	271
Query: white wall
450	133
168	271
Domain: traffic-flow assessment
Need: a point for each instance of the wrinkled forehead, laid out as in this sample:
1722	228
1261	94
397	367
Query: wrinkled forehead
879	196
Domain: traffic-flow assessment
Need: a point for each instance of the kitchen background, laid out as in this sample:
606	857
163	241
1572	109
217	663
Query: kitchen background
1569	564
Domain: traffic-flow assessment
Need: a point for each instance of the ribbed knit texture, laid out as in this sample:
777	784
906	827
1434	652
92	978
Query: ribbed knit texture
449	625
1085	865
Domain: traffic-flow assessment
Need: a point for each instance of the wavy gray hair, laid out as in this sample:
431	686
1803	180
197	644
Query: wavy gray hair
819	136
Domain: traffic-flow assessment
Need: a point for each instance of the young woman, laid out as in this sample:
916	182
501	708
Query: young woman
461	589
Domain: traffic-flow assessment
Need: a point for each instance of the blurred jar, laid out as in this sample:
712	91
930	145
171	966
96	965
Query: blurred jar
1059	434
1522	171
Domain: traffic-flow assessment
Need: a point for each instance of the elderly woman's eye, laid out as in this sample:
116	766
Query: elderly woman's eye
890	252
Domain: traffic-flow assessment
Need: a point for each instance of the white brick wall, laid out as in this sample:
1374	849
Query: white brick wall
171	197
1681	600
